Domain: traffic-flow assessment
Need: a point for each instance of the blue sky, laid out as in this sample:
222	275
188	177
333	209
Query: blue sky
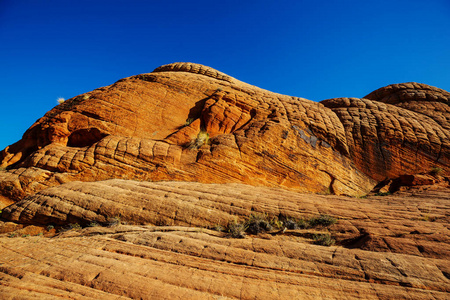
312	49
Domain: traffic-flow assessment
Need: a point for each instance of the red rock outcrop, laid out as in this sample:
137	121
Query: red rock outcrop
396	130
390	247
190	136
188	122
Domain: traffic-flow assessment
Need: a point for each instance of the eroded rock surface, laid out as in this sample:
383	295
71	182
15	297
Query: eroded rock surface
188	122
396	130
388	247
177	146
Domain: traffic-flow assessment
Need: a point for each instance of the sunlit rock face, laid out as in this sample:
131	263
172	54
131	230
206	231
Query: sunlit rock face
387	247
398	129
188	122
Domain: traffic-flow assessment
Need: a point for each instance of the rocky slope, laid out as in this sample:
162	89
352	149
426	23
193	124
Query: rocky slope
388	247
137	190
188	122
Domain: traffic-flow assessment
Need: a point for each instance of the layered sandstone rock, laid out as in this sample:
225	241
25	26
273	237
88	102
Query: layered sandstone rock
190	136
396	130
390	247
210	205
188	122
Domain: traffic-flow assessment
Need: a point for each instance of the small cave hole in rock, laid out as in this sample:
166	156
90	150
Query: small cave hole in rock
85	137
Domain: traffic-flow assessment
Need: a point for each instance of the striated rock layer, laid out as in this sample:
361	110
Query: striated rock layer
396	130
390	247
188	122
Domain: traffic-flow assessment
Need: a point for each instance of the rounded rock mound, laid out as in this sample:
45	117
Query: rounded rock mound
189	122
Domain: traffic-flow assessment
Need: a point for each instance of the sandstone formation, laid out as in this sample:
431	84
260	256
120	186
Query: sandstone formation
396	130
130	192
188	122
388	247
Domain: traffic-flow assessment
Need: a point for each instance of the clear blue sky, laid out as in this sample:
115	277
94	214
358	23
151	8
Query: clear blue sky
312	49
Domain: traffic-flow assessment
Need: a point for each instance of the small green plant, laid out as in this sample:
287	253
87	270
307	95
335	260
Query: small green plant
50	227
302	224
236	230
322	220
114	221
219	228
294	223
93	224
201	139
275	222
12	235
436	171
323	239
75	226
291	224
188	121
258	223
40	234
383	194
71	226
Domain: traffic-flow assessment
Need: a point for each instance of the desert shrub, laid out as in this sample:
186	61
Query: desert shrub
93	224
236	230
188	121
219	228
201	139
323	239
322	220
436	171
114	221
291	224
275	222
60	100
383	194
50	227
294	223
302	224
258	223
74	226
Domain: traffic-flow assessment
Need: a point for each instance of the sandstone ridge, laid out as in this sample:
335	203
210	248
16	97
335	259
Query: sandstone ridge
189	122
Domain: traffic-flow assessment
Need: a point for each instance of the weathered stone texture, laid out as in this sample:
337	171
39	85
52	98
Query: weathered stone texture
190	136
189	122
391	247
388	141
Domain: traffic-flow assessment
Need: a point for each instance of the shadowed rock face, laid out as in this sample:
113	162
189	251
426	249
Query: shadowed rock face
156	126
